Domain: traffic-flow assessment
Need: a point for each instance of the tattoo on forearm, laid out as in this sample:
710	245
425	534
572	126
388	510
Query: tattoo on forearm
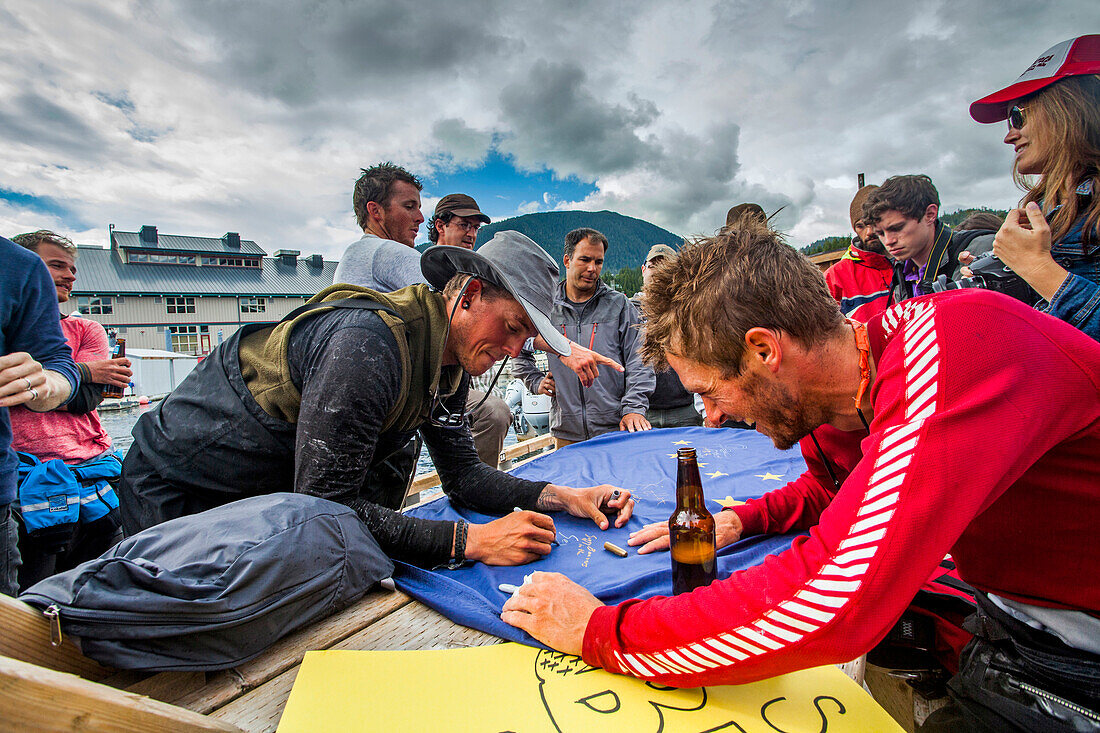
548	500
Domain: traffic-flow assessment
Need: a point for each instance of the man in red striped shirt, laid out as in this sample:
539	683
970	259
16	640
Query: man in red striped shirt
860	280
978	421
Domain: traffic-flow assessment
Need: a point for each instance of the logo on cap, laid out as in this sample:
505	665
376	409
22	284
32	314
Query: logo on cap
1041	61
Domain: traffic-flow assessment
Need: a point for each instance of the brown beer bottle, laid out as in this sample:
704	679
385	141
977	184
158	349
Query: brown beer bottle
110	390
691	529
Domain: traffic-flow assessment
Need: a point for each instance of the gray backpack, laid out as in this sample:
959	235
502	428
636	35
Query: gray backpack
212	590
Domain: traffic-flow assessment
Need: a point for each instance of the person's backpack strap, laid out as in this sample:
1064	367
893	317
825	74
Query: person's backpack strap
49	500
95	476
363	303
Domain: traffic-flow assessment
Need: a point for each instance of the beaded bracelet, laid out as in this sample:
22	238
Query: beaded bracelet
461	528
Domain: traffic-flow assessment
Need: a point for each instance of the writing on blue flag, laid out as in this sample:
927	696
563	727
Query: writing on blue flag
735	465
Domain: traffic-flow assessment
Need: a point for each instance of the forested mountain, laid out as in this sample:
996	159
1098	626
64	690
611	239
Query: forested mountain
828	244
956	217
629	238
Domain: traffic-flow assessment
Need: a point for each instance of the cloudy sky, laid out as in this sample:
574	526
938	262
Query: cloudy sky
207	116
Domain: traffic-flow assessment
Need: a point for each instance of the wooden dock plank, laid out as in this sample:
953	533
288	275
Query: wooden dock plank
34	698
413	626
205	693
164	686
416	627
259	710
26	637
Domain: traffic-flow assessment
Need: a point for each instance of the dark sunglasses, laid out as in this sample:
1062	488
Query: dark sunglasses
441	417
1016	118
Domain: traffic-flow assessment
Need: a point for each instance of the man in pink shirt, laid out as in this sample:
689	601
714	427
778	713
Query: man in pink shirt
72	434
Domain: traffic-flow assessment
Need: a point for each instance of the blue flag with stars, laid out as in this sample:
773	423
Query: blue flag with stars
735	465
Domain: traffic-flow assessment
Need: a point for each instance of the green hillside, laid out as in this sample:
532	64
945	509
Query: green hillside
828	244
956	217
629	238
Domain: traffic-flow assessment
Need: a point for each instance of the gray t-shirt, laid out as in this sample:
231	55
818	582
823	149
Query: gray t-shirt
379	264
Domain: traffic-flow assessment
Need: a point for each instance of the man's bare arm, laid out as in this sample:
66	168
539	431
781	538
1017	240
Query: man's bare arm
23	381
594	502
585	362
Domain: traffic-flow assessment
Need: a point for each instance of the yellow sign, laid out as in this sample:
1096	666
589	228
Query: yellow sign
512	687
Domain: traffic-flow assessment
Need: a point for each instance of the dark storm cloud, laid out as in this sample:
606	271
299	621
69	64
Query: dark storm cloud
555	120
463	144
36	121
668	112
699	171
300	54
882	89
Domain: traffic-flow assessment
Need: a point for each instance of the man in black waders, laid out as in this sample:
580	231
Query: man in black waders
317	403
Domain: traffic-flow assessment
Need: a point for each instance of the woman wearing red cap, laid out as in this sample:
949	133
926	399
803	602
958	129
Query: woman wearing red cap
1031	667
1053	242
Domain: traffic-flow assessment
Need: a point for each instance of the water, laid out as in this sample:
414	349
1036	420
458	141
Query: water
119	423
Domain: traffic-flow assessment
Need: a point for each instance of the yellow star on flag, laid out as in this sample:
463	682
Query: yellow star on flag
671	455
768	476
703	465
730	501
716	474
682	442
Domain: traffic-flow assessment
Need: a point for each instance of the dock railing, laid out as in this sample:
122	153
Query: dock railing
510	457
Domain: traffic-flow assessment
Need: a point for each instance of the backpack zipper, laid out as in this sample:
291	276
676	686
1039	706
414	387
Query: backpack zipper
1068	704
151	618
53	613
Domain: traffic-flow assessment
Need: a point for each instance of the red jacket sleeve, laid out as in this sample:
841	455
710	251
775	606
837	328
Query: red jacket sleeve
832	281
798	505
834	594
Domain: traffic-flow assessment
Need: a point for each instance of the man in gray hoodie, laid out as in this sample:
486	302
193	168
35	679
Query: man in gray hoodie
593	315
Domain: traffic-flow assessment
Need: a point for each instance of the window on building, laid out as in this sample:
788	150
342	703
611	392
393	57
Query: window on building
102	306
231	261
186	339
253	305
179	304
162	259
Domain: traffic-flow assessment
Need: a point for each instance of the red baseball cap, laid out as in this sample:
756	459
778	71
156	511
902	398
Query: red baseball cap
1074	57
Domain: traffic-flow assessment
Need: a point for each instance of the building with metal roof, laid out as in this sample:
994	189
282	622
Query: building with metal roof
187	294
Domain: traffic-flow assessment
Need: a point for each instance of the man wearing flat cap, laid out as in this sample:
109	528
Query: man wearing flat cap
456	221
316	403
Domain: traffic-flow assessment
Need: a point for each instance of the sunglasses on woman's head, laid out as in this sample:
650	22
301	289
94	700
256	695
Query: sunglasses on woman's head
1016	118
